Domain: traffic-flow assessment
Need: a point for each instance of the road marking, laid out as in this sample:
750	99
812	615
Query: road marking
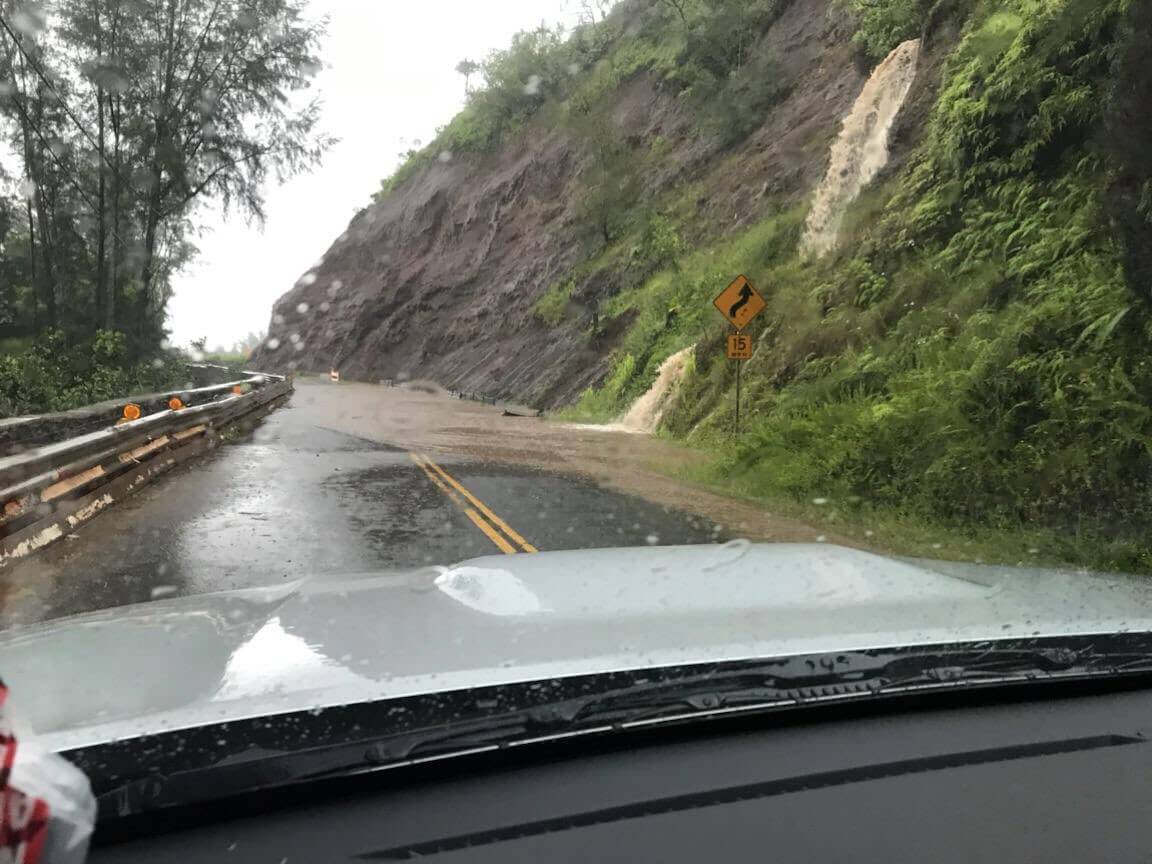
501	544
482	507
490	532
425	462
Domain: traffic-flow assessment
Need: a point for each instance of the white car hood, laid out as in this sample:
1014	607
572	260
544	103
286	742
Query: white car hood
320	643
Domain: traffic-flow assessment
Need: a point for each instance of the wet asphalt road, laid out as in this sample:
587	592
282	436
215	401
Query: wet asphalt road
296	498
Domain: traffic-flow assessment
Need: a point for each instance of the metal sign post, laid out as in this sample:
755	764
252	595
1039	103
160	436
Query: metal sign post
739	349
736	421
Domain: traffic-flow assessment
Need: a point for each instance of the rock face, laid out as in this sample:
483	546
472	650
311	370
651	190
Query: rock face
440	279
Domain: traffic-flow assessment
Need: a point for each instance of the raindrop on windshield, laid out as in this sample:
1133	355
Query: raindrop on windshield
819	502
302	309
308	279
445	156
652	539
272	344
533	85
27	188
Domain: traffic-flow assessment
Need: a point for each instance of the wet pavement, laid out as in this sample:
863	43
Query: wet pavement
328	486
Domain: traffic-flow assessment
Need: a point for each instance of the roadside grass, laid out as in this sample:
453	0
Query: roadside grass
226	358
891	531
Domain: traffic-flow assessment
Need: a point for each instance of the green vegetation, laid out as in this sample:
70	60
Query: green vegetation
881	26
54	375
553	304
117	119
703	50
969	370
972	364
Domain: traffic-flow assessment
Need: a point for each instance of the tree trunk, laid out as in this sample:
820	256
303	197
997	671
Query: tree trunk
156	195
148	273
101	193
32	266
109	311
44	222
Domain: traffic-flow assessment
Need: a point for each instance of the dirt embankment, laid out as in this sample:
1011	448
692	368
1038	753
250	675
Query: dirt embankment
441	278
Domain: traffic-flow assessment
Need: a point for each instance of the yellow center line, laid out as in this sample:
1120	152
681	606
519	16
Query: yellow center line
501	544
452	496
477	520
481	506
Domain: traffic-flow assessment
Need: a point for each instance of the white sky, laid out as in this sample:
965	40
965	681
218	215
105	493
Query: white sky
390	80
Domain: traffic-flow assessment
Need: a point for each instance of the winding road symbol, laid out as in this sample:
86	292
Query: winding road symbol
745	295
740	303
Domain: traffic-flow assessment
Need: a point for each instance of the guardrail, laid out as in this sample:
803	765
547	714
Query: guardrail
47	491
19	433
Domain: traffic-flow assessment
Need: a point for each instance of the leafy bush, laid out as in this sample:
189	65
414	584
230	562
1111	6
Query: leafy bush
54	376
552	306
884	24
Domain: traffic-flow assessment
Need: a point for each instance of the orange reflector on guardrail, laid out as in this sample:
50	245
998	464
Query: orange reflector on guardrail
132	412
335	376
175	404
238	390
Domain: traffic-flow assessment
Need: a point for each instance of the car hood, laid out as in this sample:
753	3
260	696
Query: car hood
324	642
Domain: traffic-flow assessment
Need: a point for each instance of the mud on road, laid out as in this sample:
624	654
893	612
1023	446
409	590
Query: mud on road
457	429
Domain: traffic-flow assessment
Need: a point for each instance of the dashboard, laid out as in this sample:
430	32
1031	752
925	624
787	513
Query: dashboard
1046	780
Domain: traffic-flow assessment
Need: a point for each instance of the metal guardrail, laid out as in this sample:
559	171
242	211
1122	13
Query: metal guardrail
47	490
19	433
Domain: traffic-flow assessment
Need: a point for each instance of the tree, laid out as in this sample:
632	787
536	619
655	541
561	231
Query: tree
680	7
595	11
611	173
467	68
125	115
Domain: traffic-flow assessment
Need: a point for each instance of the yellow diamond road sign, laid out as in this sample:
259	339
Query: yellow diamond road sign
740	303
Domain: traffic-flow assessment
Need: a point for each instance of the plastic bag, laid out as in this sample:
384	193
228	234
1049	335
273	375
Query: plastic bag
47	810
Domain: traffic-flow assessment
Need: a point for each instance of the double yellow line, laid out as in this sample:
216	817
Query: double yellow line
480	513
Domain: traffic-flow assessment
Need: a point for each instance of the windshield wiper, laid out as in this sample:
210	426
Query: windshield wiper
772	684
516	715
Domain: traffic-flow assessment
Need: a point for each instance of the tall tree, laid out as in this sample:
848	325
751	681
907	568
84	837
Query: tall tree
126	115
467	68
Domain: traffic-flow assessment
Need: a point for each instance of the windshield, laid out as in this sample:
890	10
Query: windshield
362	350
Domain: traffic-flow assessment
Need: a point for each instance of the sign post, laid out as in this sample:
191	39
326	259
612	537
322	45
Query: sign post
739	303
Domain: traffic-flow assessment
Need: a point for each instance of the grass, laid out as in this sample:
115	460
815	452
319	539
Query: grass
889	531
226	358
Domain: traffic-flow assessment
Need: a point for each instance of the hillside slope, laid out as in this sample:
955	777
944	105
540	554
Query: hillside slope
441	277
966	347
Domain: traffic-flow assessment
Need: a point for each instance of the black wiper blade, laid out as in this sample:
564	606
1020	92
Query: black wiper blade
791	682
354	739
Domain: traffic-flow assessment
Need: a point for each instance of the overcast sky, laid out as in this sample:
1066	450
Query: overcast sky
390	81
